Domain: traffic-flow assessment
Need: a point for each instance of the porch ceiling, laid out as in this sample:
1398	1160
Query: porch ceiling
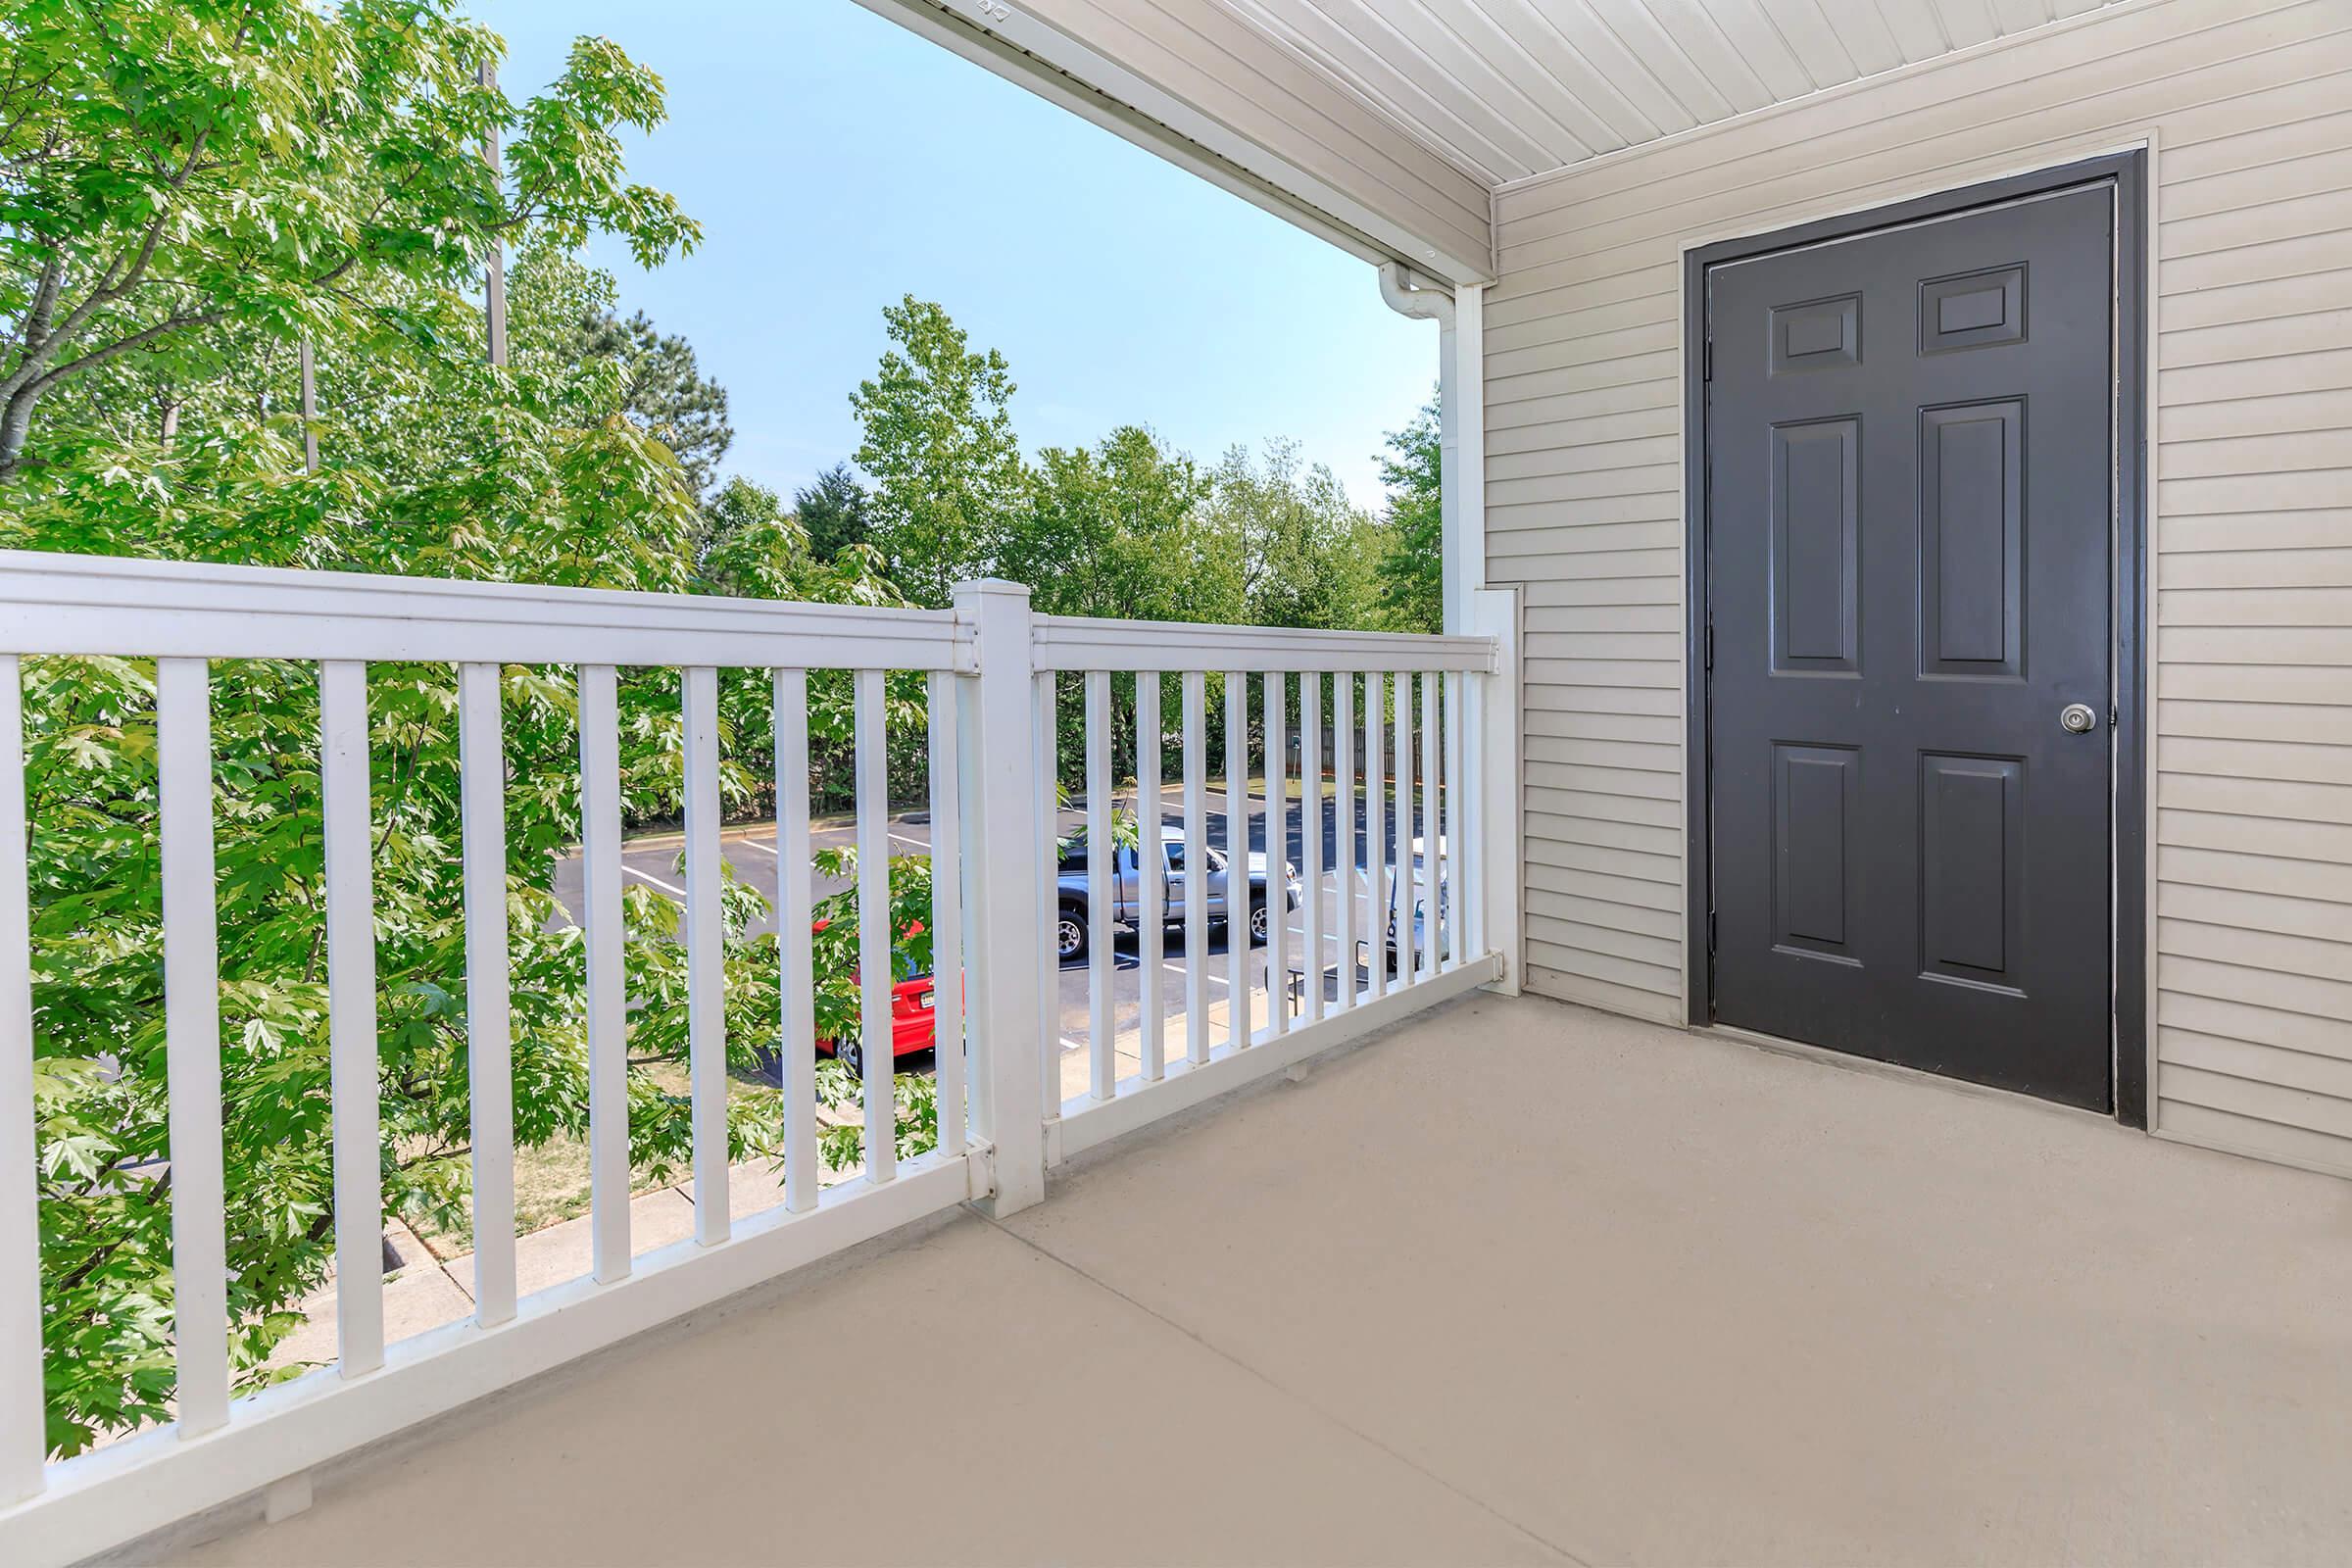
1504	89
1516	1282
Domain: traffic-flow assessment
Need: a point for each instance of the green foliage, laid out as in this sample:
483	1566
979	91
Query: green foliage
833	511
663	391
1412	579
947	473
182	176
1307	557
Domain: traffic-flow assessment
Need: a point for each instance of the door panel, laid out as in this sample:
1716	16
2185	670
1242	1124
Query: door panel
1909	566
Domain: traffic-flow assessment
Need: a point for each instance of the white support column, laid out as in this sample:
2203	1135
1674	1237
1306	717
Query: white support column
1494	866
1000	789
1462	442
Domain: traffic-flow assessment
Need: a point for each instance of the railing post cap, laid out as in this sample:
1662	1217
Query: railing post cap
990	588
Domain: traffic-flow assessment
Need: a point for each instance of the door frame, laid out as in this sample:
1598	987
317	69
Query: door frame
2126	172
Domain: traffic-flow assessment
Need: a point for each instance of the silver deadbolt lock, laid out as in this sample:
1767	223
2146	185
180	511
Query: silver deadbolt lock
2076	718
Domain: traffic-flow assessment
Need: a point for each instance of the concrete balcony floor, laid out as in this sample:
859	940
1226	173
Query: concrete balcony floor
1515	1282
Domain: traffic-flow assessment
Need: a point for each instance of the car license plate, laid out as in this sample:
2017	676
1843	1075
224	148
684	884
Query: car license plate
925	1000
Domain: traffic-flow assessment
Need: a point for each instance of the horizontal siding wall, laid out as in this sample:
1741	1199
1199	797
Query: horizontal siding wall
2251	101
1203	54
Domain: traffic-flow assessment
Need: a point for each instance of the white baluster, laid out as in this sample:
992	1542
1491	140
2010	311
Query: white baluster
1196	867
797	969
606	943
1431	824
489	1039
706	967
1375	837
22	1402
1103	1077
946	916
192	1041
874	935
1237	859
1452	893
351	1017
1044	734
1343	768
1277	842
1310	830
1150	871
1402	903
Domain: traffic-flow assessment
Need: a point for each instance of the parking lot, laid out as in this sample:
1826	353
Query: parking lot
750	854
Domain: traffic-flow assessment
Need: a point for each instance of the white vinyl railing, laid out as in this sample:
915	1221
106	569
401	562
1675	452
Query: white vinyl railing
1328	976
1404	747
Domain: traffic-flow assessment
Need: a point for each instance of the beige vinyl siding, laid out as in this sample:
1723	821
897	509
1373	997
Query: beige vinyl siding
1201	53
2250	102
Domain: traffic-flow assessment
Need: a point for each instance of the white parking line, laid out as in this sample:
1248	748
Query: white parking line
754	844
912	844
1175	968
654	882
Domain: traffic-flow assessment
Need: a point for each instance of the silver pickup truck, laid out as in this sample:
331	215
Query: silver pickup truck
1075	891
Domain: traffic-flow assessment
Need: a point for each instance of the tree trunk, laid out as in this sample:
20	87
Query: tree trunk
16	424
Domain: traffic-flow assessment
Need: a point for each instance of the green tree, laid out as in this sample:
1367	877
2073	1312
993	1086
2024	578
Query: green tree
1307	557
1412	573
664	390
948	478
184	444
833	511
261	164
1117	529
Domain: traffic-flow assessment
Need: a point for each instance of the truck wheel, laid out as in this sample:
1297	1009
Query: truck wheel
1069	933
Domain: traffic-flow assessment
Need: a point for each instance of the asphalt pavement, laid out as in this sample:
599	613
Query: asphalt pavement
750	851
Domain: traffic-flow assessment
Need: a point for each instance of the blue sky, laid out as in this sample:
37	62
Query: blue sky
837	162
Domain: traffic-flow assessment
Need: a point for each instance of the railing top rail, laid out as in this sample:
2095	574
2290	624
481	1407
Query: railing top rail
1074	642
70	603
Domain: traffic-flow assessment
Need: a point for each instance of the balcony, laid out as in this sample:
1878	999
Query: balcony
1284	717
1512	1282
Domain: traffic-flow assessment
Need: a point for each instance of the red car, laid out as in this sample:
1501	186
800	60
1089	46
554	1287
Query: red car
913	1024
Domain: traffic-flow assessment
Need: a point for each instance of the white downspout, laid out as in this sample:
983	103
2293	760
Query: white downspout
1409	294
1471	607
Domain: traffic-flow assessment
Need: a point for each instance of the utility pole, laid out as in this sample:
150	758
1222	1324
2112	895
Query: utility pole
494	292
309	407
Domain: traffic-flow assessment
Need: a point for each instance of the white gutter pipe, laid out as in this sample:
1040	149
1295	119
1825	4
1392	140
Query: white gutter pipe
1408	293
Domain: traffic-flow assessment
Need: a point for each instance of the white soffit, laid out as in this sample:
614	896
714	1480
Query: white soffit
1505	89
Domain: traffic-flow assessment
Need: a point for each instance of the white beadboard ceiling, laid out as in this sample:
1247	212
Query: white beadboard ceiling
1508	88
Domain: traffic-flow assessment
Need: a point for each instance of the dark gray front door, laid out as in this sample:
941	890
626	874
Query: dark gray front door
1909	517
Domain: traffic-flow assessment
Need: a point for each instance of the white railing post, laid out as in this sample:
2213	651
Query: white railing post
1493	752
1000	787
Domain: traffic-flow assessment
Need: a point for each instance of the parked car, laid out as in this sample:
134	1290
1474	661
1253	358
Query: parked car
1075	891
914	1024
1404	888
